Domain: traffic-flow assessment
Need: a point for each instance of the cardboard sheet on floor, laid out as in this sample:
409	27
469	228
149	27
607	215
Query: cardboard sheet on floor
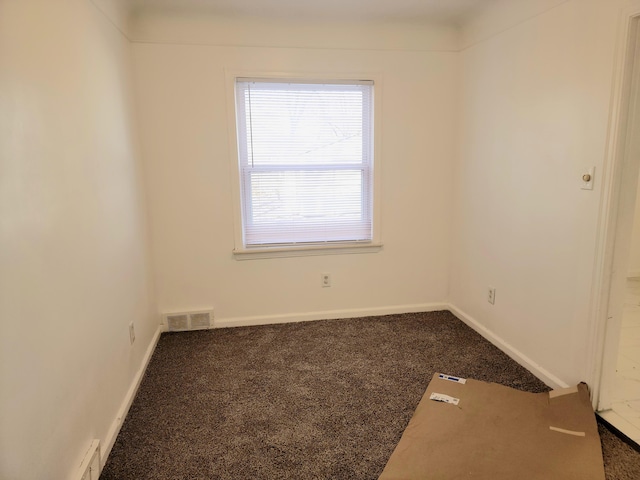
481	431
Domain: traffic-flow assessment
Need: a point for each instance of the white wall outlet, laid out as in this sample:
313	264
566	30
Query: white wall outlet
132	333
491	295
326	279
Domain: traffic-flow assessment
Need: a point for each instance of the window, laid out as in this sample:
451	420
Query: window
305	152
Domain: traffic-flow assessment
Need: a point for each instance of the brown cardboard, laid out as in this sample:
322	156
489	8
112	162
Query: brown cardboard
499	433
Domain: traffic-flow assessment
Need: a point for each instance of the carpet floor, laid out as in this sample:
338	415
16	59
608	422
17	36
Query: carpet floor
314	400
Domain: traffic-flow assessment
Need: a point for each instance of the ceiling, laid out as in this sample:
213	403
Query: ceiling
449	11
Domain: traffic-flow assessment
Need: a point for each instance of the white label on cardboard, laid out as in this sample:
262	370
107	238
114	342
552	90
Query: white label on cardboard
441	397
452	379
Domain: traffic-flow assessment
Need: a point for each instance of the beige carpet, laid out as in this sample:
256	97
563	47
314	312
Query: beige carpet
315	400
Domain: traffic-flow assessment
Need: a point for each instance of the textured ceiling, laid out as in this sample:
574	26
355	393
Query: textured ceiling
453	11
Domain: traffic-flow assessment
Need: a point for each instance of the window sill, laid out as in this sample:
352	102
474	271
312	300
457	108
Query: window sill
305	251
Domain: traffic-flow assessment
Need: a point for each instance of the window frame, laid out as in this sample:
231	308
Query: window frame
242	252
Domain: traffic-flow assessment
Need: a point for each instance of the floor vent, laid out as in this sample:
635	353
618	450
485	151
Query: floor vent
90	466
183	321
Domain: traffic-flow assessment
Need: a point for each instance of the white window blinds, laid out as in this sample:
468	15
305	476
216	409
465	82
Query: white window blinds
306	161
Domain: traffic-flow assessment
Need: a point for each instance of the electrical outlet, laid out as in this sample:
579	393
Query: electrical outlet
326	279
132	333
491	296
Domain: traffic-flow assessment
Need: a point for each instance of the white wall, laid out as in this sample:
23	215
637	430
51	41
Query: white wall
183	27
74	268
634	257
482	155
118	12
498	16
534	111
184	132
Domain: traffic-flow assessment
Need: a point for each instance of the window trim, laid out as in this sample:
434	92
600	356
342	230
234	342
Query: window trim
241	252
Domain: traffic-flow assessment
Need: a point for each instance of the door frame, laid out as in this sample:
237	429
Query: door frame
613	235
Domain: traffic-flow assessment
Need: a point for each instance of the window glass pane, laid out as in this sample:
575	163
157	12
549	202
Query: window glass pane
303	124
306	196
305	162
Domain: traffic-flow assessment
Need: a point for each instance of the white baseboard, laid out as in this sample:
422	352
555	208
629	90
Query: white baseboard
327	315
110	440
547	377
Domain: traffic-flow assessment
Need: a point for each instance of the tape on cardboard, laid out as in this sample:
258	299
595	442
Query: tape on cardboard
441	397
563	391
452	378
568	432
